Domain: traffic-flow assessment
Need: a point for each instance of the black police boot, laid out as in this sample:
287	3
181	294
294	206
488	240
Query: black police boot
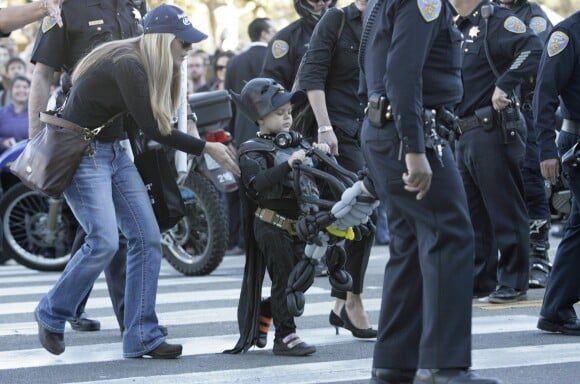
82	323
540	265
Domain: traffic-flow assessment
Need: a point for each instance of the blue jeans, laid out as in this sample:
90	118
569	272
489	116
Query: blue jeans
107	194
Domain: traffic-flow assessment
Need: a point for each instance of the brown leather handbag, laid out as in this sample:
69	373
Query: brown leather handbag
51	158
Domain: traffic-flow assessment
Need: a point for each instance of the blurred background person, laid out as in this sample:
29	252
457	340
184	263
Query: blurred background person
14	67
220	63
197	65
14	116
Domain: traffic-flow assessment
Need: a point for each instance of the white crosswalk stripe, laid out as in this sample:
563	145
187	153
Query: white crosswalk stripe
201	315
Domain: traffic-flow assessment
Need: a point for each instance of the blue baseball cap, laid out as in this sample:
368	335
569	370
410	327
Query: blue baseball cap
171	19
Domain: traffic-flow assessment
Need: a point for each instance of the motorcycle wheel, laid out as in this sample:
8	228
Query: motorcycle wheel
197	244
26	238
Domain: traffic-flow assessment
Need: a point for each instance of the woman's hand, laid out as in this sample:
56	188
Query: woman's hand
329	138
322	146
224	156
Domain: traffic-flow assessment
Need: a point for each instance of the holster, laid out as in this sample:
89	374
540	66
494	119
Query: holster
378	110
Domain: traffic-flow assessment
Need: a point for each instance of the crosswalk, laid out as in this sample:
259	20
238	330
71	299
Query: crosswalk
200	313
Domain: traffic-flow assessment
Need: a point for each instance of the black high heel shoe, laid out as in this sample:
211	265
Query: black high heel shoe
335	321
368	333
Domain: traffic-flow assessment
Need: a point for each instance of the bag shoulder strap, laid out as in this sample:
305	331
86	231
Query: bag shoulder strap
52	119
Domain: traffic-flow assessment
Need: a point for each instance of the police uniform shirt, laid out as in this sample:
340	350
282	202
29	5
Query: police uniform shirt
86	24
423	62
334	68
559	75
514	50
535	18
285	52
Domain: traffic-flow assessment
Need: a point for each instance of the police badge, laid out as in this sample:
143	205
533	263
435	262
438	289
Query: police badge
429	9
557	42
515	25
279	48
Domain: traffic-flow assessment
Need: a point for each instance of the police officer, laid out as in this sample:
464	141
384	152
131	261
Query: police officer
57	49
287	47
500	53
411	72
559	76
534	190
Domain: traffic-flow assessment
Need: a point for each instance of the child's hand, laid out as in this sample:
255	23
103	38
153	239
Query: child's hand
322	146
299	156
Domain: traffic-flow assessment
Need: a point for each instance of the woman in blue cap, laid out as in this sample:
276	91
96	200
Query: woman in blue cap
139	76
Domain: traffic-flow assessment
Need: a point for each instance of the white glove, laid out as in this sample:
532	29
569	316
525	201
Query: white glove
348	211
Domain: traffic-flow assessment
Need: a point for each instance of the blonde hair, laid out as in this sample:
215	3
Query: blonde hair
153	51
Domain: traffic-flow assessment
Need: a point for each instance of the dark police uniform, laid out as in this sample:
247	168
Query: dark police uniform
410	53
287	47
331	65
489	163
534	190
86	24
559	75
285	51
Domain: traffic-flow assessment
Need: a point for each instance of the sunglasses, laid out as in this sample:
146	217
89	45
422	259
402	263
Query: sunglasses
220	67
184	44
319	1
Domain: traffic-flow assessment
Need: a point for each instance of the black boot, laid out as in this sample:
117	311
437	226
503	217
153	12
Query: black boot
540	265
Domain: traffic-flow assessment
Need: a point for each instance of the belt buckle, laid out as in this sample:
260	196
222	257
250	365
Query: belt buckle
278	220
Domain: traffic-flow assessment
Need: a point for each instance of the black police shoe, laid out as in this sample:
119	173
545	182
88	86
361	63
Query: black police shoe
51	341
506	295
82	323
392	376
568	327
451	376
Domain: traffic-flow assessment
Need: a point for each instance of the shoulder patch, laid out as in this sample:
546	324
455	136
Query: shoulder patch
429	9
279	48
515	25
557	43
47	23
538	24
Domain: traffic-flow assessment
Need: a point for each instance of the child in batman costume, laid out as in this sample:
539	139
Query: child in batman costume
279	184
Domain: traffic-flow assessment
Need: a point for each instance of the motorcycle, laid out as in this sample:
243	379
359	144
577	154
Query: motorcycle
196	246
38	231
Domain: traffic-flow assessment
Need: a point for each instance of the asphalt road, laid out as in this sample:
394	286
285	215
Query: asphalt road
200	313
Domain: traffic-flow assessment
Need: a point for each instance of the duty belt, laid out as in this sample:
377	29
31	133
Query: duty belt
271	217
571	126
480	118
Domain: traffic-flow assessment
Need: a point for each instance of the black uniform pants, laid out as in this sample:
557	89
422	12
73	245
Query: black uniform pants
425	317
563	290
281	252
358	252
493	182
115	275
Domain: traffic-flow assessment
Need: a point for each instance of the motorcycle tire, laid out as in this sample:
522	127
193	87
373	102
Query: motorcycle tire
25	236
197	244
